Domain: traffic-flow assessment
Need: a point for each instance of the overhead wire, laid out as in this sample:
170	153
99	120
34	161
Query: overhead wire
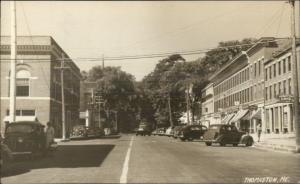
29	31
157	55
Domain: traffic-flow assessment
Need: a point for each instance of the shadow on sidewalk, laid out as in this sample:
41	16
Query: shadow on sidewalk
67	156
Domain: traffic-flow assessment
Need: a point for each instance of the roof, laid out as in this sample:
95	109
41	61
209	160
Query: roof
262	42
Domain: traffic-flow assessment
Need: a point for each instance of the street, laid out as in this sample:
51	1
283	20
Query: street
154	159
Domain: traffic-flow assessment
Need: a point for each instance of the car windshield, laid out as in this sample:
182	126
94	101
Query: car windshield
20	129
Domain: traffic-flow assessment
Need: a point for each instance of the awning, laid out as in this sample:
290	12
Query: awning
227	118
240	114
21	118
256	114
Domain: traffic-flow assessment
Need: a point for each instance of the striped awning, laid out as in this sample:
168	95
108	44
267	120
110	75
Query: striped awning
227	118
240	114
256	114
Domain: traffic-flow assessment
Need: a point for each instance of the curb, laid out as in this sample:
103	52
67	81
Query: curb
275	147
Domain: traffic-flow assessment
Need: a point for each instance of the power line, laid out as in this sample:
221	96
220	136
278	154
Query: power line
148	56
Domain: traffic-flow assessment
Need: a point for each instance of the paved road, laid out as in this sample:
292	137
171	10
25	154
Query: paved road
154	159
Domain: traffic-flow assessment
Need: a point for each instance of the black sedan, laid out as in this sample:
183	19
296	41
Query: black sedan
191	132
226	134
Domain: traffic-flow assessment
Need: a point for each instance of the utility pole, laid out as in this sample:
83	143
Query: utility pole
99	101
295	76
13	56
103	61
188	104
170	111
62	68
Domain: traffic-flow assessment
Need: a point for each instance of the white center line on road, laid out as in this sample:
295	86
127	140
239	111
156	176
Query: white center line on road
123	178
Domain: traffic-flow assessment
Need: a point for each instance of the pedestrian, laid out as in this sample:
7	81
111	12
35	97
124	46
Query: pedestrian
259	131
49	135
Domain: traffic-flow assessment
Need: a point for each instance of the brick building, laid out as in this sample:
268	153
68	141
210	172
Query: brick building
255	88
208	116
38	84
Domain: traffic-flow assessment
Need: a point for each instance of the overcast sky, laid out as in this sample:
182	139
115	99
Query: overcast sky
92	29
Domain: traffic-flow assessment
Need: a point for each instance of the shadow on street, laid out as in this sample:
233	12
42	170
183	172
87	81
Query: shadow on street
67	156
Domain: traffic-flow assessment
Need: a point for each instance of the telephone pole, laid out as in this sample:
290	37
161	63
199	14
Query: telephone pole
170	111
62	68
13	56
188	104
295	76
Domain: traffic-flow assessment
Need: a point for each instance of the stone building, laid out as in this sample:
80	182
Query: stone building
38	82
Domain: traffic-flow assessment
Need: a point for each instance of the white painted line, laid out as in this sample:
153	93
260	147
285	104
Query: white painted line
123	178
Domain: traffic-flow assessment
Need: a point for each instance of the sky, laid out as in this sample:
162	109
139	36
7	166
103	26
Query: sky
95	29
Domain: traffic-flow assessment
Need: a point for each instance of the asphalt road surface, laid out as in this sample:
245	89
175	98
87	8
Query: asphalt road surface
155	159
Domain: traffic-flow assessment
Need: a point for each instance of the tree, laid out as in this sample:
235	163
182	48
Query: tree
118	92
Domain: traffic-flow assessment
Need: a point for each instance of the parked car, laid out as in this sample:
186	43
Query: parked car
226	134
25	138
82	131
169	131
191	132
6	156
176	131
161	131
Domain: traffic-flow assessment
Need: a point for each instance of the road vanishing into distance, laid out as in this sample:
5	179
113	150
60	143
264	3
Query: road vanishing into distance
154	159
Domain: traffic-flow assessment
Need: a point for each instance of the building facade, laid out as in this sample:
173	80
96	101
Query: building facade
208	116
279	92
38	82
256	88
87	114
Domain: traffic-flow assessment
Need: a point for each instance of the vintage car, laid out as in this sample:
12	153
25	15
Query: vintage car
82	131
6	156
161	131
143	129
191	132
176	131
226	134
25	138
169	131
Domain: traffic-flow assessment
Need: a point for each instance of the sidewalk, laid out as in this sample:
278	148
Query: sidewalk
277	142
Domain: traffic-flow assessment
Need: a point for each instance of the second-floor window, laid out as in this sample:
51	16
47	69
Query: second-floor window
22	83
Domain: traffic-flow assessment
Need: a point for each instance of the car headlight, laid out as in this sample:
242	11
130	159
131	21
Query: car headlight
20	139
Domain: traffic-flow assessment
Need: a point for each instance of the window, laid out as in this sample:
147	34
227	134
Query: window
27	112
289	63
290	86
284	66
270	72
279	88
266	93
254	69
270	89
259	67
275	90
274	70
266	74
279	68
284	87
22	83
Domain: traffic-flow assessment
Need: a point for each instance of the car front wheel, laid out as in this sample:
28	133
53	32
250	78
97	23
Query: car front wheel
208	143
249	143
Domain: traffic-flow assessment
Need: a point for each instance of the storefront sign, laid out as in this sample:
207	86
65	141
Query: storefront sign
286	98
